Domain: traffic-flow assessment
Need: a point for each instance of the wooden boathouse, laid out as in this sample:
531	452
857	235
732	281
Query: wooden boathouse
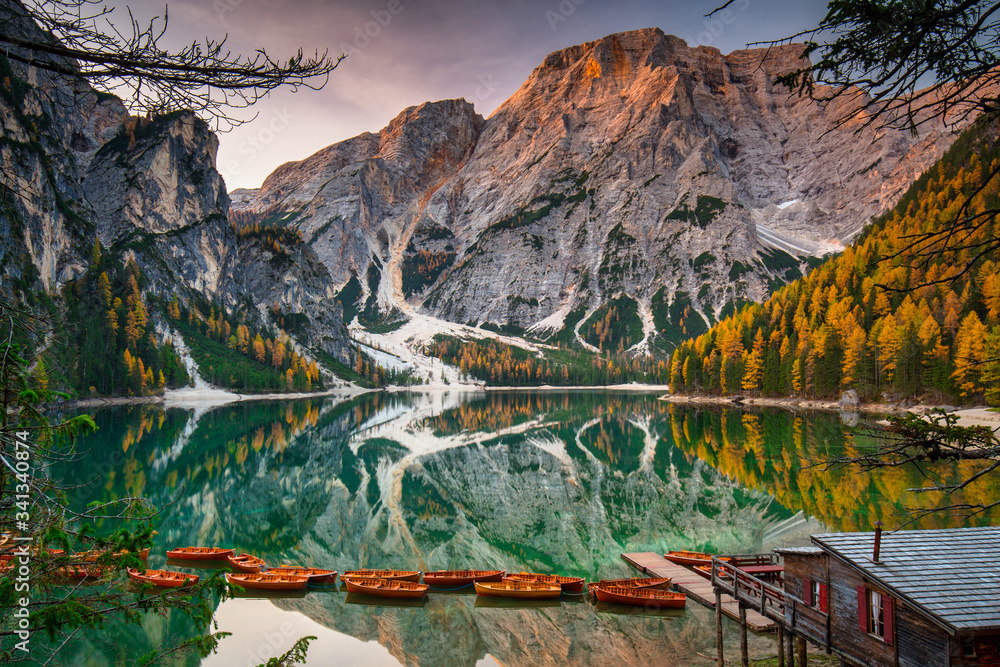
915	598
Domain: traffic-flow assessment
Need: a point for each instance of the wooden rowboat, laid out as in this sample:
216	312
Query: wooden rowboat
458	578
314	574
691	558
246	563
94	554
200	553
703	570
525	590
641	597
654	583
386	588
567	584
392	575
81	572
268	582
163	578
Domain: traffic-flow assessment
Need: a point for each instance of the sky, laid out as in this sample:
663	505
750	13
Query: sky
405	52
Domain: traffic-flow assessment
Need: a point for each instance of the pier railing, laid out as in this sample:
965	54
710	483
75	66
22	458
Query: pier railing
743	560
793	614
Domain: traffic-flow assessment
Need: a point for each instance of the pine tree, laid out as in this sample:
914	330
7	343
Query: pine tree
753	374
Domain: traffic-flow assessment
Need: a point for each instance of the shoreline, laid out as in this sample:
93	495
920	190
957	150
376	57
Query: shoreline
211	397
207	397
477	388
201	398
789	403
970	416
632	386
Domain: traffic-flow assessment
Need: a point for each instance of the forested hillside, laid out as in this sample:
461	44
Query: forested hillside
879	317
104	343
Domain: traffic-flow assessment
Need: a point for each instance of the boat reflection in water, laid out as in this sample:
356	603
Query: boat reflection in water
372	601
490	602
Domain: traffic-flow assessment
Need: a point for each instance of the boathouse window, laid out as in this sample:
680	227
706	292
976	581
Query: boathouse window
876	618
875	614
968	648
815	594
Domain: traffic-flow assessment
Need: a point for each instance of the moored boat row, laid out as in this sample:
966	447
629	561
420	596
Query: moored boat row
251	572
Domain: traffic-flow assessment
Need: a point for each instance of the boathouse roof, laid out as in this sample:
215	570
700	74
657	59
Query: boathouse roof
951	575
800	551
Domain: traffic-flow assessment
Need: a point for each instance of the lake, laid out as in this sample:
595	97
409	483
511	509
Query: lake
547	481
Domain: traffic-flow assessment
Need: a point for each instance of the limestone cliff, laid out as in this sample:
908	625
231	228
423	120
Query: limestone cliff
76	167
679	177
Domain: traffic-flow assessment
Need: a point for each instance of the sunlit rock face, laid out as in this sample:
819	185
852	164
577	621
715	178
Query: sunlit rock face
78	168
155	186
633	164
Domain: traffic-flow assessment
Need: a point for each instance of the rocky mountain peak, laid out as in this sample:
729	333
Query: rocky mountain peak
439	133
614	64
417	146
674	181
156	175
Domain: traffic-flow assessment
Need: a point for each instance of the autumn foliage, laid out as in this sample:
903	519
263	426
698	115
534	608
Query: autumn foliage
499	364
880	317
232	354
108	346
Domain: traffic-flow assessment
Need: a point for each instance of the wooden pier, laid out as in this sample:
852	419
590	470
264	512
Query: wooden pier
696	587
794	620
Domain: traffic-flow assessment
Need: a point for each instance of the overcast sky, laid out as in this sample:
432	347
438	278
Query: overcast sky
406	52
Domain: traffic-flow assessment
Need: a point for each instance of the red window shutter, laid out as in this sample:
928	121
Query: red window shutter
862	609
823	602
887	616
807	595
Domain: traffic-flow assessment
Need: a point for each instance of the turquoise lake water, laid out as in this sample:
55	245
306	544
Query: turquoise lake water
560	482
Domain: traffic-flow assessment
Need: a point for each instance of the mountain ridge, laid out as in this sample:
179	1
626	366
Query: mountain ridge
631	193
610	171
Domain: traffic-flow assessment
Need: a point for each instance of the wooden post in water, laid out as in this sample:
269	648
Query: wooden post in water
718	626
781	645
802	652
744	651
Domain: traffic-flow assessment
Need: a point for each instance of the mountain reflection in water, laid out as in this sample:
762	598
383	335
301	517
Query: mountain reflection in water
559	482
